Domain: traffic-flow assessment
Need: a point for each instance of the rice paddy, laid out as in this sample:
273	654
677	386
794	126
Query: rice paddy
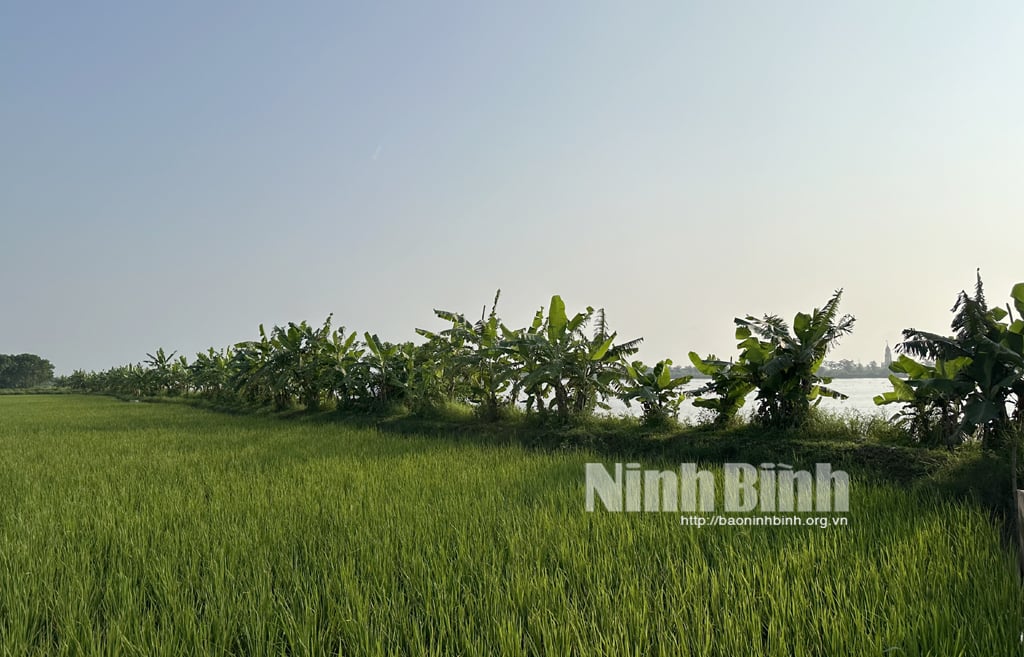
161	529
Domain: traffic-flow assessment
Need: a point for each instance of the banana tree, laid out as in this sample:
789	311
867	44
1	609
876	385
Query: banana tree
253	376
654	388
933	397
429	384
338	358
474	357
726	392
1013	340
384	370
554	357
166	373
783	364
210	373
992	350
130	380
309	363
780	364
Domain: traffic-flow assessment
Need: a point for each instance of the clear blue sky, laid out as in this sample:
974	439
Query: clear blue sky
174	174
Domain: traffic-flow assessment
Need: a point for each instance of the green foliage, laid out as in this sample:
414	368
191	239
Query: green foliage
474	361
780	364
428	387
24	371
556	366
210	373
932	396
294	364
974	375
783	364
727	390
552	365
383	373
253	375
554	359
165	374
655	389
307	361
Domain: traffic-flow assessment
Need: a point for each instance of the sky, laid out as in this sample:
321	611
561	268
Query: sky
174	174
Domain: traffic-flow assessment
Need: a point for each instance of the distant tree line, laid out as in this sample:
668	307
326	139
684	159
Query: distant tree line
835	369
24	371
848	369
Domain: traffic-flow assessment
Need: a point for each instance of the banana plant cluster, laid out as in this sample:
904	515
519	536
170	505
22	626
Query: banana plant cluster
292	364
210	373
383	374
968	382
559	367
166	374
160	374
473	363
552	366
654	389
779	363
932	396
295	363
726	391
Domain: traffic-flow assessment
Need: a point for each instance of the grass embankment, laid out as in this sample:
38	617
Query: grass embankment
48	390
160	529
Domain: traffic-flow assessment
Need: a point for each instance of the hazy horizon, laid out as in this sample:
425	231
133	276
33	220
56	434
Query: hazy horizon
175	175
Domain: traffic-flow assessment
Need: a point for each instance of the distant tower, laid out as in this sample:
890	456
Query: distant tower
888	356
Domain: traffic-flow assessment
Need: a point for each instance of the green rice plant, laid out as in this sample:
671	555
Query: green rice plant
161	529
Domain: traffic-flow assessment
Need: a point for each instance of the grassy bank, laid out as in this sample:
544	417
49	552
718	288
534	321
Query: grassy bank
163	529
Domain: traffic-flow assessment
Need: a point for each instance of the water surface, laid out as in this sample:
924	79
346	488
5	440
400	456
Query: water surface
861	392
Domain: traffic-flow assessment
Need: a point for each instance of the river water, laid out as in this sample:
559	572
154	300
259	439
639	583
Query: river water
861	392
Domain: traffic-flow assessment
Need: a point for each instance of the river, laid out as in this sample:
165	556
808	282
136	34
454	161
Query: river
861	392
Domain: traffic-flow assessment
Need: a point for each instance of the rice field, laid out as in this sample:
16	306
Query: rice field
160	529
